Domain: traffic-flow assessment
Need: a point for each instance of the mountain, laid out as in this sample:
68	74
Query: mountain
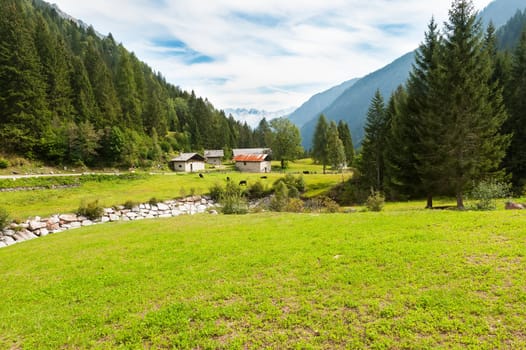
317	103
353	103
500	11
253	116
508	36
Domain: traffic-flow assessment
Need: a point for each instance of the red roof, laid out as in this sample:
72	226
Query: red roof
251	157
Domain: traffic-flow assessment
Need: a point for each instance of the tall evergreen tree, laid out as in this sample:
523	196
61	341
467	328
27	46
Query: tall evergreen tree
320	150
345	135
515	161
372	167
473	108
336	150
287	141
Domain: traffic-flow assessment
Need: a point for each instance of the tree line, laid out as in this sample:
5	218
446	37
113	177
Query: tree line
69	95
459	119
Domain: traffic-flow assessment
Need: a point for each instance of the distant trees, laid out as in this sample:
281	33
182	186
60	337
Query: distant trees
332	144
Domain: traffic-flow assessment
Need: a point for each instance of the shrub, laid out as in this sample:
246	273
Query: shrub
486	192
295	205
92	210
129	204
375	202
232	200
4	163
216	191
4	217
291	181
322	204
153	201
279	201
256	190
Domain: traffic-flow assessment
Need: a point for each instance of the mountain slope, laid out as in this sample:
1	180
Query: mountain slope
353	103
317	103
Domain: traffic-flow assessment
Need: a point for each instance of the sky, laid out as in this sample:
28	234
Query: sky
263	54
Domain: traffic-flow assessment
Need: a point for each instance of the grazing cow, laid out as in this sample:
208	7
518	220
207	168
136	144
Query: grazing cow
306	172
228	178
201	175
243	183
263	177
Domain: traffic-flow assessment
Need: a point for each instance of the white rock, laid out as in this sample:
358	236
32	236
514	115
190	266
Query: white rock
164	216
142	206
68	217
147	206
2	244
75	224
8	240
204	201
201	208
109	211
35	225
131	215
114	217
162	207
87	223
154	207
9	233
42	232
214	212
176	212
104	219
149	216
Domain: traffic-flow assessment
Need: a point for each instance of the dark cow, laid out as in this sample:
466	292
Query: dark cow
264	177
201	175
243	183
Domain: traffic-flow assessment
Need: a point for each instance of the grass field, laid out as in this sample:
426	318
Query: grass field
162	186
399	279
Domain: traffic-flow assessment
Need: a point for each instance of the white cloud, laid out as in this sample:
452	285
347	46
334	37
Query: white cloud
268	54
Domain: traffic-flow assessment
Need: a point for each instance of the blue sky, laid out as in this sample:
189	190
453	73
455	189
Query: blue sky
264	54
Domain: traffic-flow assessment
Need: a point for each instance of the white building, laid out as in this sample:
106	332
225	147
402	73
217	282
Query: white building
188	162
253	163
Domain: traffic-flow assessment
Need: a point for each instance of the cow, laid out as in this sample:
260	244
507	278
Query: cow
243	183
201	175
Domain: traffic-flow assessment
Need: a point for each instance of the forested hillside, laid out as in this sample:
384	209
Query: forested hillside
69	95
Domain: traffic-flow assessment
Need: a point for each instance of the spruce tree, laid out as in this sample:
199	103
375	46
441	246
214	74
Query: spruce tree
336	150
320	151
372	167
473	109
515	161
345	135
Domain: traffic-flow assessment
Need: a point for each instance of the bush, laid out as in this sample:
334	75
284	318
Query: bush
4	217
486	192
129	204
375	202
279	201
4	163
92	210
322	204
153	201
216	191
232	200
295	205
256	190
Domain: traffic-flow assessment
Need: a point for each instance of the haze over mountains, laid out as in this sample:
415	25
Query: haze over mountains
351	105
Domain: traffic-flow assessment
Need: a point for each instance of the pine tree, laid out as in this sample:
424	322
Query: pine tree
320	151
515	161
372	167
336	150
345	135
473	109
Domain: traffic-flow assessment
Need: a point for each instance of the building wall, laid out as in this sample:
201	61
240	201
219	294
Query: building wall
191	166
214	161
254	167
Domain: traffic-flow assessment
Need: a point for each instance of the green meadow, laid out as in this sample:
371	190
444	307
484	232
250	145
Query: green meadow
393	280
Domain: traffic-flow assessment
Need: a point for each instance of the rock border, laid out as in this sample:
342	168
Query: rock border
40	227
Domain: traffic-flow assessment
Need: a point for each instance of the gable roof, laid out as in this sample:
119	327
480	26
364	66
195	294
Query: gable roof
214	153
185	157
252	158
238	151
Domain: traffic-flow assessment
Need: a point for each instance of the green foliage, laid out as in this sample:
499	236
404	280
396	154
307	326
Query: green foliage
322	204
336	156
4	218
216	191
153	201
487	192
4	163
287	140
130	204
280	199
256	190
233	199
375	202
295	205
320	150
92	210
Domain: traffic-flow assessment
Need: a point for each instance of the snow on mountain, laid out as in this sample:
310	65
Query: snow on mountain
253	116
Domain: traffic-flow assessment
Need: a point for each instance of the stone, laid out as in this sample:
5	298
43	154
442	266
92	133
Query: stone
109	211
154	207
8	240
141	206
164	216
36	225
131	215
87	223
162	207
204	201
9	233
176	212
75	224
201	208
42	232
147	206
104	219
67	218
2	244
214	212
81	218
52	226
114	217
54	219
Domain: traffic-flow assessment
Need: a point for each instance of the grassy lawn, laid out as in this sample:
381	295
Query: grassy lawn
398	279
161	186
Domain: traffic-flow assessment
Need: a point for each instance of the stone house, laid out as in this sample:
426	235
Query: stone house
188	162
253	163
214	157
240	151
